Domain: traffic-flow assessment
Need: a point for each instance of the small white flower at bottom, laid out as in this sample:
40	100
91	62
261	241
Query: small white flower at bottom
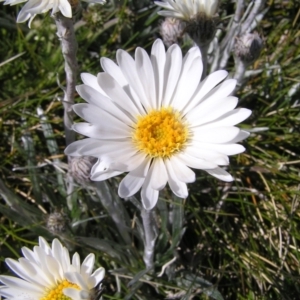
46	273
154	118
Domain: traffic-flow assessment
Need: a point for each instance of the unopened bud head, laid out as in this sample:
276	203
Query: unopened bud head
248	47
57	222
80	167
171	30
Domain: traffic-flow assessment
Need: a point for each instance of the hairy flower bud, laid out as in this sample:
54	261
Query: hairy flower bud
171	31
57	221
80	167
248	47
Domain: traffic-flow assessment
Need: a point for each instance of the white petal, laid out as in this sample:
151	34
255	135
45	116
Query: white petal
103	131
227	149
87	265
204	88
160	176
54	268
208	155
95	115
128	67
97	276
91	81
145	72
158	59
217	135
149	196
28	271
130	185
94	97
179	188
195	162
73	293
118	95
182	172
208	111
231	118
220	174
23	16
76	262
100	176
189	78
76	278
170	14
172	72
12	2
142	169
241	136
20	284
65	8
222	90
87	147
44	245
129	162
164	5
113	70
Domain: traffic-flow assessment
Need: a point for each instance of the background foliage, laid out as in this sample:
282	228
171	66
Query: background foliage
228	241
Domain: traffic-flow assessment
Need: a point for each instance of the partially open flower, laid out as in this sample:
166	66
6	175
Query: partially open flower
34	7
199	16
48	274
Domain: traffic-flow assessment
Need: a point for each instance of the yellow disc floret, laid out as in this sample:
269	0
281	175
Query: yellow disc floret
161	133
56	293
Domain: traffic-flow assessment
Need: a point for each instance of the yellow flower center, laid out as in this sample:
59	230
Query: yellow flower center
161	133
56	293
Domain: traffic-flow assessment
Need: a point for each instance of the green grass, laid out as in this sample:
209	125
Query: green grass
238	240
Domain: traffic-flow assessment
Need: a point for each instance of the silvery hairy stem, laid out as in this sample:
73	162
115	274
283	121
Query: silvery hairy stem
150	235
66	34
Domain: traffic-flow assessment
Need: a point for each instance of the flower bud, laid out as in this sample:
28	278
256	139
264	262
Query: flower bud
248	47
57	222
171	30
80	167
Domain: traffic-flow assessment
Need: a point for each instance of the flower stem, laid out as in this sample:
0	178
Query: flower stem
240	70
204	50
150	232
66	34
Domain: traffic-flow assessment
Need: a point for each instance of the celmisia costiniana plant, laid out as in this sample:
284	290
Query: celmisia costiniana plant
154	118
34	7
46	273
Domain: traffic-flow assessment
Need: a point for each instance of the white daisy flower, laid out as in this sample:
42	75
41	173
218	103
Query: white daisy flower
34	7
187	9
47	274
153	118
